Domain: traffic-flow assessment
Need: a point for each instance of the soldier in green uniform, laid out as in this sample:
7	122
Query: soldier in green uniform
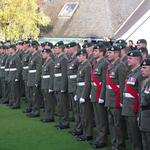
131	100
34	80
89	47
98	78
144	121
2	72
47	80
14	76
60	86
115	81
72	83
25	68
83	95
6	73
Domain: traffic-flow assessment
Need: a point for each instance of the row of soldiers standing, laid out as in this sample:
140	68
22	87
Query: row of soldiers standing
101	83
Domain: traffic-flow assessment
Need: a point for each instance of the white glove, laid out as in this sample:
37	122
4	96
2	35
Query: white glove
62	91
36	85
16	80
82	100
75	98
90	96
121	104
49	91
100	101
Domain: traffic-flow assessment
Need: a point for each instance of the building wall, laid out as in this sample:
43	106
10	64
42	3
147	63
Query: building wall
92	18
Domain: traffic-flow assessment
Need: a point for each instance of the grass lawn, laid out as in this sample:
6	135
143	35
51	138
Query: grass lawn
18	132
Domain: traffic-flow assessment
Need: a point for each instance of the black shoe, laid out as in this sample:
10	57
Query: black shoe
92	142
99	145
84	138
33	114
46	120
64	126
26	110
15	107
57	126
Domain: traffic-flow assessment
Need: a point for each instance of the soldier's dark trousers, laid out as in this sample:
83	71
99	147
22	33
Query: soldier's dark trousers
100	113
87	118
15	93
72	104
27	95
49	104
34	102
64	109
7	90
145	140
134	134
3	88
116	128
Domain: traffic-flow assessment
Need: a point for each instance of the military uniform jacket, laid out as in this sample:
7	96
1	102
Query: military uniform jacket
72	69
2	66
15	68
91	58
25	64
60	73
47	77
34	73
145	106
99	70
117	73
7	67
84	80
134	79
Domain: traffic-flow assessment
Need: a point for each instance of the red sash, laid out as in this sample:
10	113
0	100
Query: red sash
114	88
98	83
134	93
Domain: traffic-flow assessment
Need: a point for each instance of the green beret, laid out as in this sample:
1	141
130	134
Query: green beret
81	51
59	44
1	45
114	48
100	45
141	41
71	44
143	49
146	62
135	53
120	43
34	43
46	50
13	46
86	45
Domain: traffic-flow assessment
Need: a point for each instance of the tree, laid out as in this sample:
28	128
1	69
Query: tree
20	19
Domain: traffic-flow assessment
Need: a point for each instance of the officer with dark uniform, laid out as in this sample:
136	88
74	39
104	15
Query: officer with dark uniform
115	81
72	83
25	66
7	83
145	105
60	86
89	48
98	79
47	80
131	99
34	80
83	95
14	76
2	73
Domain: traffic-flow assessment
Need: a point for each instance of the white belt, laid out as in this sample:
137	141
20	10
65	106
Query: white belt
32	71
81	83
46	76
93	83
58	74
7	69
12	69
72	76
128	95
109	87
26	67
2	67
